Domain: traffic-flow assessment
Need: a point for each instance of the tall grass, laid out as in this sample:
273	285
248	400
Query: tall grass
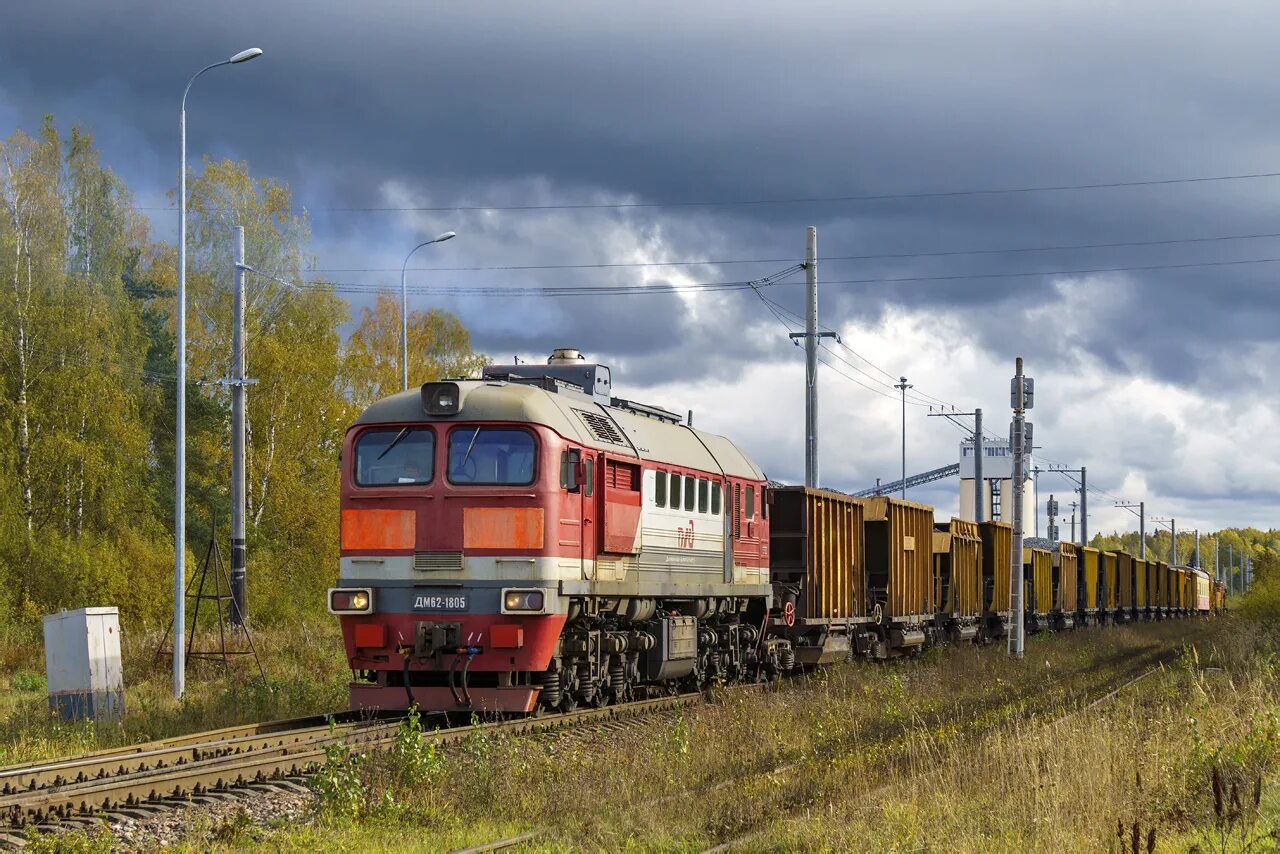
306	674
744	763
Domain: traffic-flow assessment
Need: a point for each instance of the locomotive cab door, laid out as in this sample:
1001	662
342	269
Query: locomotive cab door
578	485
619	505
745	506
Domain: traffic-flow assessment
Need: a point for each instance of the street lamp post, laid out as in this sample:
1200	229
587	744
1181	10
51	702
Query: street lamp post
180	450
404	308
902	386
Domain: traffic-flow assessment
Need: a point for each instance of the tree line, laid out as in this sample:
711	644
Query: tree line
1230	544
87	386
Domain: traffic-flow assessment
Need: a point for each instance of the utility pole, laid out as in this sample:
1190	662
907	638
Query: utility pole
1141	507
1022	399
1051	508
1217	558
902	386
1084	507
979	485
1074	505
1231	568
238	600
811	336
811	358
1084	500
1142	528
1173	530
980	496
1197	563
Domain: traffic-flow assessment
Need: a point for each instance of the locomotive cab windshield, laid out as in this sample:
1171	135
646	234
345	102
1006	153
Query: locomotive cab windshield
491	456
402	456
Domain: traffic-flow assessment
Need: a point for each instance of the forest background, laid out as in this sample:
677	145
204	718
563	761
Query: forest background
87	382
87	373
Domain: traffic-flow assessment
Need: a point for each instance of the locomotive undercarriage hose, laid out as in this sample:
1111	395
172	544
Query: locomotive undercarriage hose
408	691
453	675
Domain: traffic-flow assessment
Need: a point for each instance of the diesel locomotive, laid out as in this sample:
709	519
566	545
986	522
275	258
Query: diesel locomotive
528	541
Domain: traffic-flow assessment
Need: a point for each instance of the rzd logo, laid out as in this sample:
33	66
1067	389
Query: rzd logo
684	537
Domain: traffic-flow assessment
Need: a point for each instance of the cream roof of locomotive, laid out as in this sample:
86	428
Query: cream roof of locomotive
562	411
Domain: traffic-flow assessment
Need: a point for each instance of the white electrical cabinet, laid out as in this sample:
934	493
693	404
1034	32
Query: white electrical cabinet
82	664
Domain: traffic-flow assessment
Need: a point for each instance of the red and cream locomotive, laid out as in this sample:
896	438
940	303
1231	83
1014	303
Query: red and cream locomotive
527	541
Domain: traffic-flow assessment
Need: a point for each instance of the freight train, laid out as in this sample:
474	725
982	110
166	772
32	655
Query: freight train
527	541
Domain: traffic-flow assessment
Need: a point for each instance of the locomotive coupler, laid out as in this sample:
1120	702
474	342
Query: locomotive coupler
431	640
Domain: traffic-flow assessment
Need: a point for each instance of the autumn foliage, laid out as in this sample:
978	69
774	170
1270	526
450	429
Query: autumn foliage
87	372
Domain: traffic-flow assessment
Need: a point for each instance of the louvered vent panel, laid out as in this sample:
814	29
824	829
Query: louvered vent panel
437	561
602	427
623	476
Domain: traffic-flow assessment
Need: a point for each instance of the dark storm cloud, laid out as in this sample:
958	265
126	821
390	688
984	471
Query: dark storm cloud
413	104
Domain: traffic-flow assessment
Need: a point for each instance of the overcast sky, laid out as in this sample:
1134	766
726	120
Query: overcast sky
1161	380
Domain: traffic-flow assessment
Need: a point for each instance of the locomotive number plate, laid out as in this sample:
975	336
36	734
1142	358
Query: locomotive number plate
450	602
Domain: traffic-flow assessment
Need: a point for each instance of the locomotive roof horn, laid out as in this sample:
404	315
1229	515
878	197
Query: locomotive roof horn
565	356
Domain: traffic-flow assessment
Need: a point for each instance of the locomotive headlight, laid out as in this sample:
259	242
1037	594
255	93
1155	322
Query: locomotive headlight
441	398
522	600
350	601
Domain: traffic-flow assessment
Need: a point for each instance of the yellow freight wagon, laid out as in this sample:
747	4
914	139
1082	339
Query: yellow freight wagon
1109	579
899	553
1066	567
1037	578
1126	600
1141	597
957	569
997	561
1090	572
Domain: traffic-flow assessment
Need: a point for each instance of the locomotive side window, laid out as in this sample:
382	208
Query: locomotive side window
660	488
690	490
395	456
588	476
715	499
703	489
675	491
751	502
491	456
569	469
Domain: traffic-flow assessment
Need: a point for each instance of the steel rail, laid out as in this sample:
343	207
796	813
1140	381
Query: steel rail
290	755
147	758
195	738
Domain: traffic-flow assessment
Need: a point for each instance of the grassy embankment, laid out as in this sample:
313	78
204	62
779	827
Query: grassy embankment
960	750
306	674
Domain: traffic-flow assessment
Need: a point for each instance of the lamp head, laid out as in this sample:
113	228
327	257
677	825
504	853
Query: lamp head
448	235
246	55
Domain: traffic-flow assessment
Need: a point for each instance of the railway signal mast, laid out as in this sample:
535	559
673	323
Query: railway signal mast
1022	398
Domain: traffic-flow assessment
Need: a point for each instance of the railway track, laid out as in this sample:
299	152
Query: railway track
139	780
758	830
